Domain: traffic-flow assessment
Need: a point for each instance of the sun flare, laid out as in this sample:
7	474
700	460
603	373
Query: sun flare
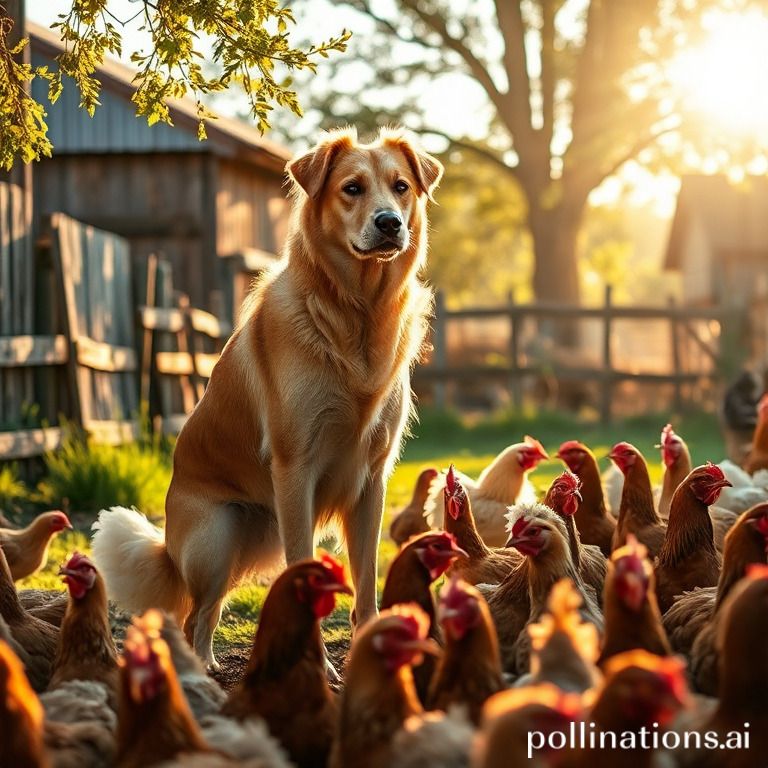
725	78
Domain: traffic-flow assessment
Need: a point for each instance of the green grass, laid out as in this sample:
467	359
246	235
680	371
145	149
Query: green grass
84	478
438	440
13	492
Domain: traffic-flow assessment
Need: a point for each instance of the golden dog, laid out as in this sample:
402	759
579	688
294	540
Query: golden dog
303	417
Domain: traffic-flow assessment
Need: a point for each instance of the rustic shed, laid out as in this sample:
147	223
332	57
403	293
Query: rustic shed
216	209
719	239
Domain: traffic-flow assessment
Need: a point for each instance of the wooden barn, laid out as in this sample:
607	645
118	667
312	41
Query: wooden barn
719	240
215	209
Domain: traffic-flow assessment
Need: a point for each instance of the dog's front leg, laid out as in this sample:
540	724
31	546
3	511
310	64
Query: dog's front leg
294	497
362	528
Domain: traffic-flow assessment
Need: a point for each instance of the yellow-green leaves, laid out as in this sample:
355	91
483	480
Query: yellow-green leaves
198	47
23	132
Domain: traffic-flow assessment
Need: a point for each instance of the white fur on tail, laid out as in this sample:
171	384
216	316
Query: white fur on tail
131	555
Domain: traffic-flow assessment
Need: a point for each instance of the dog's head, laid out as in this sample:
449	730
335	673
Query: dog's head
367	199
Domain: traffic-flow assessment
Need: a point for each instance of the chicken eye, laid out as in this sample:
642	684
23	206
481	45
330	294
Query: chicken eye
401	187
352	189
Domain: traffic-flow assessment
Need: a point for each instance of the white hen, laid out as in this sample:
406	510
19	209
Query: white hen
503	482
746	491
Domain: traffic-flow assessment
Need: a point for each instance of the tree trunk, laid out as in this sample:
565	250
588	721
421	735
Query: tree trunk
555	272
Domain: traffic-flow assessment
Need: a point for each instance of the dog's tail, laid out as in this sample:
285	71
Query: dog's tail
131	555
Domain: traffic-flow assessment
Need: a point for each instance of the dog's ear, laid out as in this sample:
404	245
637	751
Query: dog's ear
310	171
428	170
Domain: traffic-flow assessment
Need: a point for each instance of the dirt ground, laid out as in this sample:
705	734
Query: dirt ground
233	663
233	660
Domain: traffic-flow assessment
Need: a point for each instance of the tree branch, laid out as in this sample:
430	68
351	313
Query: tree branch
638	146
477	68
484	152
364	7
548	75
517	112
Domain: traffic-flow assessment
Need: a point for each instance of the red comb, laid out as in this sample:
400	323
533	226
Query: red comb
334	566
570	445
79	560
454	592
714	471
667	434
519	525
454	494
568	481
450	480
412	619
533	443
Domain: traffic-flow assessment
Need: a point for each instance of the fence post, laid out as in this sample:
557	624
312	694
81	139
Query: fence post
676	359
439	344
515	384
606	394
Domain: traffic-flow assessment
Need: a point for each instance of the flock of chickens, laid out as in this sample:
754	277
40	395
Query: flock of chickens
552	614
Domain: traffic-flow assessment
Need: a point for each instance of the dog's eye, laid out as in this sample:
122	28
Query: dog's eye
353	189
401	187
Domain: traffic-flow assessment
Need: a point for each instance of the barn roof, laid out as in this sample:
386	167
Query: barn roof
115	127
734	217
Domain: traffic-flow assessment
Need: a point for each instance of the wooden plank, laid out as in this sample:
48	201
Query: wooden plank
6	297
23	282
210	325
573	373
175	363
516	390
104	357
606	382
68	266
150	297
550	310
204	363
106	432
26	443
161	319
27	351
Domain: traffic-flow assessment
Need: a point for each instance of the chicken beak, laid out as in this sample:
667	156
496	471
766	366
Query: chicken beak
427	645
513	541
341	589
457	551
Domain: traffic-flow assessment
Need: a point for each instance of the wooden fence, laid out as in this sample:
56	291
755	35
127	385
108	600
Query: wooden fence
117	335
102	335
516	368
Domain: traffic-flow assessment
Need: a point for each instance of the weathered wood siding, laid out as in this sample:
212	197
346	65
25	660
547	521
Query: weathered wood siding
155	201
252	210
16	301
117	128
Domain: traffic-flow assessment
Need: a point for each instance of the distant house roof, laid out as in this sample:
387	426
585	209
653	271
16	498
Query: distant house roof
115	127
734	217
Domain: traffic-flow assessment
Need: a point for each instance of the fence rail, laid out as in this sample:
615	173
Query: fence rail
103	355
516	369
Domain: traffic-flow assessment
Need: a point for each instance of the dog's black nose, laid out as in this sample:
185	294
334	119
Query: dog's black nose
388	222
